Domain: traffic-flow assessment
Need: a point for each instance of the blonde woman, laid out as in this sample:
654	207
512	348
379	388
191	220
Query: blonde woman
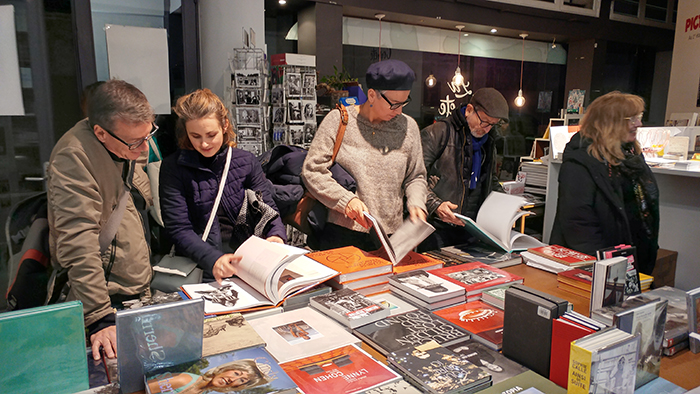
607	193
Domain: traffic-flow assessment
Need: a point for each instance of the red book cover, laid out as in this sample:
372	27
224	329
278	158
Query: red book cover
563	333
343	370
476	277
576	277
484	321
563	255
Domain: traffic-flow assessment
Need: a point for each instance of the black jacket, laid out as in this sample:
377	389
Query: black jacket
444	144
590	210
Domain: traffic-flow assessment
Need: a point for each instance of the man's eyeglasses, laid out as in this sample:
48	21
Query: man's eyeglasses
136	144
635	118
393	106
487	124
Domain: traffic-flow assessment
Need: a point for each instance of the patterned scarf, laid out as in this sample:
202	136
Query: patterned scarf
638	184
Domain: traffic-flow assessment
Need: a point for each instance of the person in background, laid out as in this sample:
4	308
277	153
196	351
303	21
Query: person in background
381	150
189	182
87	173
607	193
460	157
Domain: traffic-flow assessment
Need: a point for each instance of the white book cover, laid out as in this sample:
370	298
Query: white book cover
301	333
426	286
394	304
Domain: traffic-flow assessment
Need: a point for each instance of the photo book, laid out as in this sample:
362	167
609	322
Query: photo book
496	364
632	282
608	284
425	286
349	307
404	239
476	277
483	321
228	332
495	220
267	274
352	263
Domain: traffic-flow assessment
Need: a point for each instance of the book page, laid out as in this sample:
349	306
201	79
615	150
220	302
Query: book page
231	295
408	236
260	259
481	234
383	237
299	273
498	213
520	241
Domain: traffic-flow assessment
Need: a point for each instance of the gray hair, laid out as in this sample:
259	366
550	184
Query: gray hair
118	100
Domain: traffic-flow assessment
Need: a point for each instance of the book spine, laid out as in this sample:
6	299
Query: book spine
579	370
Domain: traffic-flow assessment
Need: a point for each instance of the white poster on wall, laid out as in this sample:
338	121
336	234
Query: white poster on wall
684	86
139	55
11	98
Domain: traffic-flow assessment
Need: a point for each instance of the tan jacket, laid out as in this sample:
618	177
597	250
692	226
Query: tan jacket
84	183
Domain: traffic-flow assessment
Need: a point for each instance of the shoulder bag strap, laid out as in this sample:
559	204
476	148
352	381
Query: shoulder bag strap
109	231
341	130
222	184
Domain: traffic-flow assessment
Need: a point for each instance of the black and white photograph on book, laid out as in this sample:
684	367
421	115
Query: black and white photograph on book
248	115
293	84
309	87
248	96
294	113
248	79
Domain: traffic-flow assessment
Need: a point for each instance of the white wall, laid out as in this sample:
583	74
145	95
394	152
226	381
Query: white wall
221	24
684	88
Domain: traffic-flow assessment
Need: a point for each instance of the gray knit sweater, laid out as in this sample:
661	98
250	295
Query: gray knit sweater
386	160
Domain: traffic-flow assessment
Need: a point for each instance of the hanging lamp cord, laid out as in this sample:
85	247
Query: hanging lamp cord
522	60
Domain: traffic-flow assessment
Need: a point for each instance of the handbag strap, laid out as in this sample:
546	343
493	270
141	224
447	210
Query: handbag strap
218	196
341	130
154	147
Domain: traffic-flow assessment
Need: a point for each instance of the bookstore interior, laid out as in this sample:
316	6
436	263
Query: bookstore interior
511	308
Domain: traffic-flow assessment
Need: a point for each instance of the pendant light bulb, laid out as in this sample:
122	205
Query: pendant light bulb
458	79
520	100
431	81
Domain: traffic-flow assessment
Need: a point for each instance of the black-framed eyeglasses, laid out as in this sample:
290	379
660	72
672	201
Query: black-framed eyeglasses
393	106
487	124
134	145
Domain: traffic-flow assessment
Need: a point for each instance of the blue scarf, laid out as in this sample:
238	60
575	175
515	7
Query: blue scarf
477	158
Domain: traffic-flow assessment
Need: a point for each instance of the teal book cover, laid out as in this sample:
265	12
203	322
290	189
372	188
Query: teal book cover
46	346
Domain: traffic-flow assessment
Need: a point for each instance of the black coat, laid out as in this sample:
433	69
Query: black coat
590	211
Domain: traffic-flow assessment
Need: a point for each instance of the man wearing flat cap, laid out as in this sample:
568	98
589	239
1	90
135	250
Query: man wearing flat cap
460	157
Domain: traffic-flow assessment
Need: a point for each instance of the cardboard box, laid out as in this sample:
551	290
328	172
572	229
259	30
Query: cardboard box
665	269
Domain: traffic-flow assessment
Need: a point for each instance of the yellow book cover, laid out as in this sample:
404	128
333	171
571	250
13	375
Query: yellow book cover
579	370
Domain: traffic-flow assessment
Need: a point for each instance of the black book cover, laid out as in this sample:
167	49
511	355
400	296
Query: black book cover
527	328
493	362
409	329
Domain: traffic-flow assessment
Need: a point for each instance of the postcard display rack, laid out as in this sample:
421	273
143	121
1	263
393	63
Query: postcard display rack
293	98
247	98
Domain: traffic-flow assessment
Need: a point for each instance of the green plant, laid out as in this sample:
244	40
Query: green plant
337	80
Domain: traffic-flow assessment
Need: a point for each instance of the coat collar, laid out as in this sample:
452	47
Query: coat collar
191	158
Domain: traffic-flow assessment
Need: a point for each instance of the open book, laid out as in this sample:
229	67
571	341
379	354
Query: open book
406	237
494	223
267	274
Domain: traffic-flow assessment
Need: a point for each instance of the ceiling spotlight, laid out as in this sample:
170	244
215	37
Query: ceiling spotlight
493	31
283	2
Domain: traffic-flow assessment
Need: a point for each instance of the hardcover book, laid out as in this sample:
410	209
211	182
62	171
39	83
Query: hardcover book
267	274
693	306
495	296
483	321
157	336
396	387
522	383
476	277
359	283
660	386
579	278
409	329
247	371
543	263
228	332
352	263
437	369
425	286
632	282
301	333
495	220
403	240
342	370
417	261
527	307
43	349
495	257
647	322
459	299
498	366
394	304
563	255
563	333
603	362
608	284
349	307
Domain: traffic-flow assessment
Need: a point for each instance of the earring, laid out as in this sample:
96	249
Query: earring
371	105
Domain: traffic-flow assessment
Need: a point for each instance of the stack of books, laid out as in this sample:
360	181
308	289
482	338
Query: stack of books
565	329
349	307
576	281
495	297
693	306
483	321
555	258
476	277
360	271
645	281
536	178
426	290
468	253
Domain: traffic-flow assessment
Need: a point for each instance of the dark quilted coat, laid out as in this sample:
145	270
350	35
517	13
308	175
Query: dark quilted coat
187	193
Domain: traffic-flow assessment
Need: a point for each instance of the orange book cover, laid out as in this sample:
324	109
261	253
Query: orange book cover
563	255
416	261
484	321
352	263
343	370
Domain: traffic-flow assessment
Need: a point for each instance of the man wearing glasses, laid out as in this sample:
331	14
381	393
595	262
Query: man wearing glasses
460	157
90	168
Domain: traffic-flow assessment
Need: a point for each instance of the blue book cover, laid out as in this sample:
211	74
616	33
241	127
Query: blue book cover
43	350
251	371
